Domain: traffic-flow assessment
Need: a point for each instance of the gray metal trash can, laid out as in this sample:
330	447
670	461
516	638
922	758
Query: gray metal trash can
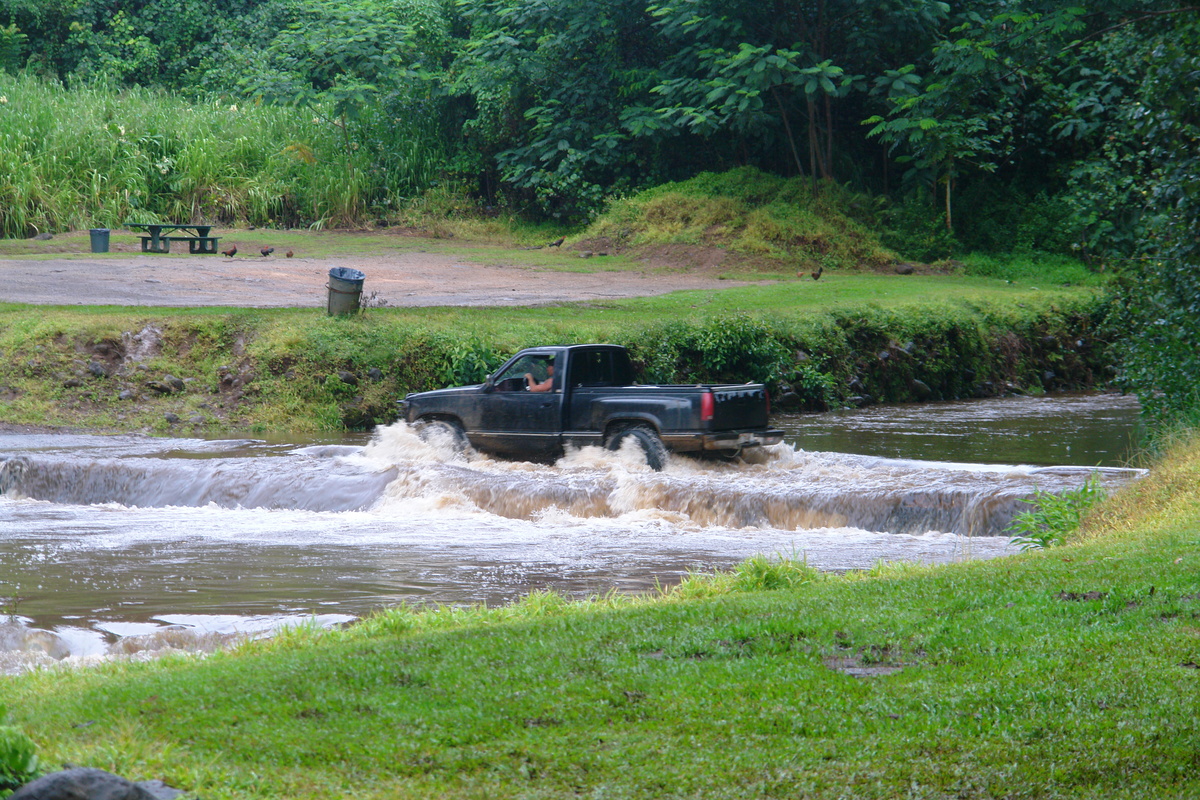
345	290
99	240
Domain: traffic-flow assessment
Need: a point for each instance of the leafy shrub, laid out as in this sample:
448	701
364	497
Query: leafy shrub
738	348
916	230
1054	515
18	758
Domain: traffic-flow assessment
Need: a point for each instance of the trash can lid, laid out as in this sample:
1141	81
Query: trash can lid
346	274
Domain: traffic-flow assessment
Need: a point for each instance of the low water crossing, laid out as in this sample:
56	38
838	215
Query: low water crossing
128	543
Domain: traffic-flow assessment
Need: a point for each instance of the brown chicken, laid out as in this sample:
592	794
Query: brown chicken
289	254
266	251
230	253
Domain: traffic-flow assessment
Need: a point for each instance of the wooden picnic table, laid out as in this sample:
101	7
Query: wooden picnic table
160	238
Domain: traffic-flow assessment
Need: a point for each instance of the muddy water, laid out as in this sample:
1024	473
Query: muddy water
130	543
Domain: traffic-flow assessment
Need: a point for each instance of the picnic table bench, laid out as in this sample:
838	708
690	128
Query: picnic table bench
159	238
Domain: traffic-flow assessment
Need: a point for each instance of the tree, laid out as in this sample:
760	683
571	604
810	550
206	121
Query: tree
551	85
750	68
969	111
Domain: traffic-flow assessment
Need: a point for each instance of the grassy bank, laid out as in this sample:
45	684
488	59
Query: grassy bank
860	339
1070	672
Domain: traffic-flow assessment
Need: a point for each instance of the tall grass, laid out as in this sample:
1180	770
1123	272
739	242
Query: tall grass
99	157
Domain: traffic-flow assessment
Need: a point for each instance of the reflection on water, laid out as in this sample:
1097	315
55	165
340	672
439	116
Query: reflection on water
1082	430
139	543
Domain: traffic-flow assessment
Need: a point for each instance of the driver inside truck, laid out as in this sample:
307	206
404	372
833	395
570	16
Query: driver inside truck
541	386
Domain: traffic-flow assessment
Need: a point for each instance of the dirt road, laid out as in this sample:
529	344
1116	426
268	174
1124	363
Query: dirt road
402	279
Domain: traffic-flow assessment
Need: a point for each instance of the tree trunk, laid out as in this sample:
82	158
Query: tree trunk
828	139
949	184
787	128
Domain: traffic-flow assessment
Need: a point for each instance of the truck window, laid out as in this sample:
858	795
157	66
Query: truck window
599	368
513	378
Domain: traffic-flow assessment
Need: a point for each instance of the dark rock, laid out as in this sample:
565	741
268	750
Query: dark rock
348	378
175	383
197	419
158	386
1048	377
127	394
73	383
375	374
43	237
1050	343
921	389
905	269
802	356
97	369
789	400
86	783
171	418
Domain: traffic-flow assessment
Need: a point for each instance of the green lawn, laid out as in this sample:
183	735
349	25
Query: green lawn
1070	672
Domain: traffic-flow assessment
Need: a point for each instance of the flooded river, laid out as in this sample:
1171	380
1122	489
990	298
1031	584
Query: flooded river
129	542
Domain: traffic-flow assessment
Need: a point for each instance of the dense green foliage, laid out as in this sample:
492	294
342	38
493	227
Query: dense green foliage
1024	126
1064	673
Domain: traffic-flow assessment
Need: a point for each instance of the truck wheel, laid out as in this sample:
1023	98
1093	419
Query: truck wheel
443	430
651	446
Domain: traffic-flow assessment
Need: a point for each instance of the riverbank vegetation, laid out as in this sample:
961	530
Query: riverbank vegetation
862	338
1064	672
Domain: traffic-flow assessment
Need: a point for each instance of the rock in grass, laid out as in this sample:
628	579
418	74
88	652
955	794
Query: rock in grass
87	783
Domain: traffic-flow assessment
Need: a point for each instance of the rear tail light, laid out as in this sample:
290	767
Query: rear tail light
707	406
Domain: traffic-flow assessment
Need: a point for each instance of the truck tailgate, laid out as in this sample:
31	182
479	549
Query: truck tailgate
739	407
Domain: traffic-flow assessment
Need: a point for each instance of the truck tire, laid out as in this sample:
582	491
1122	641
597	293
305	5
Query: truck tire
443	430
652	447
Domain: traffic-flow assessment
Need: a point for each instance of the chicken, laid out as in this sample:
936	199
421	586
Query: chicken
266	251
230	253
289	254
557	242
820	269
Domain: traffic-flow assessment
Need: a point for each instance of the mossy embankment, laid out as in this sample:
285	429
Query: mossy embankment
1068	672
863	338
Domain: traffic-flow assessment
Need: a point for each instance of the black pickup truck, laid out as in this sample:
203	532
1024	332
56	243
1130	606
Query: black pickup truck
547	398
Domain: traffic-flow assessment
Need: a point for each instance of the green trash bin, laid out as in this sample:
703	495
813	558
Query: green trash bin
99	240
345	290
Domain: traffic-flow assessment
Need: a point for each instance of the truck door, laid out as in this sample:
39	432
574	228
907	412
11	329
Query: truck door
524	409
